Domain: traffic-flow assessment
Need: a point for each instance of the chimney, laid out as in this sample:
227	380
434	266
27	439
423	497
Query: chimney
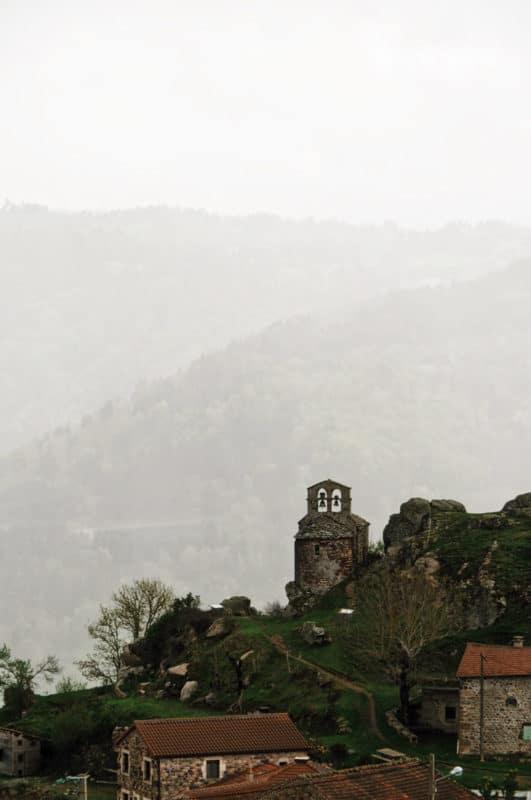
250	774
518	641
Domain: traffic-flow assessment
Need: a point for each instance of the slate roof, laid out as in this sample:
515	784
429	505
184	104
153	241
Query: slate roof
499	660
201	736
408	780
264	776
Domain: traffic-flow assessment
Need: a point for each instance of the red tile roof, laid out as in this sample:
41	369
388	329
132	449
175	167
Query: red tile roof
198	736
264	776
408	780
499	660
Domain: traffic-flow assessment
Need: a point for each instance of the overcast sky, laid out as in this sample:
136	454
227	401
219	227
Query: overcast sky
408	110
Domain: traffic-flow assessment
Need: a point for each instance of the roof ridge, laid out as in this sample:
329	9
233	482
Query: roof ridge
157	720
508	646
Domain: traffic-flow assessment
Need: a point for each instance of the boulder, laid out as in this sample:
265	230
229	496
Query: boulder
414	519
521	504
179	671
220	627
238	606
314	634
210	699
187	692
129	672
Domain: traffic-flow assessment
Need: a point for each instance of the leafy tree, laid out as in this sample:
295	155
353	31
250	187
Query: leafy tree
139	604
399	614
18	678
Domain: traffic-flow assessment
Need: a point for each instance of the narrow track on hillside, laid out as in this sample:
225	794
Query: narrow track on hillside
340	679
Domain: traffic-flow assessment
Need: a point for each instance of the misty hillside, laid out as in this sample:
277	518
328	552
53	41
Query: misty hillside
94	303
200	478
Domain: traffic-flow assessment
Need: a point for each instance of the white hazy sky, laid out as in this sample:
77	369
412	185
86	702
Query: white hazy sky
409	110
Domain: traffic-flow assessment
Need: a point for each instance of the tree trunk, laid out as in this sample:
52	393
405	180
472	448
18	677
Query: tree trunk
404	690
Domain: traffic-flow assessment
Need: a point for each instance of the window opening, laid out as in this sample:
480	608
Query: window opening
212	769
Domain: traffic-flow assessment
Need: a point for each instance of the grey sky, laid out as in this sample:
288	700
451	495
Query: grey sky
413	111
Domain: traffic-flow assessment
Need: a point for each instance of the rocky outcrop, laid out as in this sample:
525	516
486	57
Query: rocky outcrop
299	600
238	606
415	518
520	505
439	538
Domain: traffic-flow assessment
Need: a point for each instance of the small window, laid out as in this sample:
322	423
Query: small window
19	742
1	753
125	762
526	732
316	549
146	770
125	795
450	713
212	769
20	758
511	701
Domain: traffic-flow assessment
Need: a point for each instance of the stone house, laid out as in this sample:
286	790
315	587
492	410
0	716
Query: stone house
161	759
501	722
331	541
20	754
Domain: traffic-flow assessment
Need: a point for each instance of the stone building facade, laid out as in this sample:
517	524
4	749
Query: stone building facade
438	709
20	754
163	759
504	727
331	541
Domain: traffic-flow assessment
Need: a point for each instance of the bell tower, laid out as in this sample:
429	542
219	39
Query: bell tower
331	541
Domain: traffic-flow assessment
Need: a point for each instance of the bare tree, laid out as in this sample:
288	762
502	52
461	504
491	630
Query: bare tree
103	664
135	608
398	614
139	604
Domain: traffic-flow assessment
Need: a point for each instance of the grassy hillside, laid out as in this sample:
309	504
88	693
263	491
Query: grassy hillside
329	713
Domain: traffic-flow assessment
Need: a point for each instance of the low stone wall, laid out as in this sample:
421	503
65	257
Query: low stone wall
394	723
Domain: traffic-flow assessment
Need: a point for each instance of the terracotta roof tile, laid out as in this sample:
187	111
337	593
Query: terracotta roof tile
408	780
190	736
264	776
499	660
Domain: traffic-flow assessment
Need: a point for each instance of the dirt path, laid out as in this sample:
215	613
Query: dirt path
338	678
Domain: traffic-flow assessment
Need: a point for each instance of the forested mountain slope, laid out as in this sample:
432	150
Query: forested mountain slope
93	303
419	393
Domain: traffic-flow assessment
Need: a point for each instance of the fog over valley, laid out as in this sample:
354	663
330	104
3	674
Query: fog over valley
245	247
194	469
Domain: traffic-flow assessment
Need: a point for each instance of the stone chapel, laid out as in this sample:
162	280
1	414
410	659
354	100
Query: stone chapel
331	541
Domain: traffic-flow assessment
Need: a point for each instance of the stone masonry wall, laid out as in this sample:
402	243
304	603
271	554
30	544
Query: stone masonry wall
134	782
180	774
435	701
502	732
320	571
